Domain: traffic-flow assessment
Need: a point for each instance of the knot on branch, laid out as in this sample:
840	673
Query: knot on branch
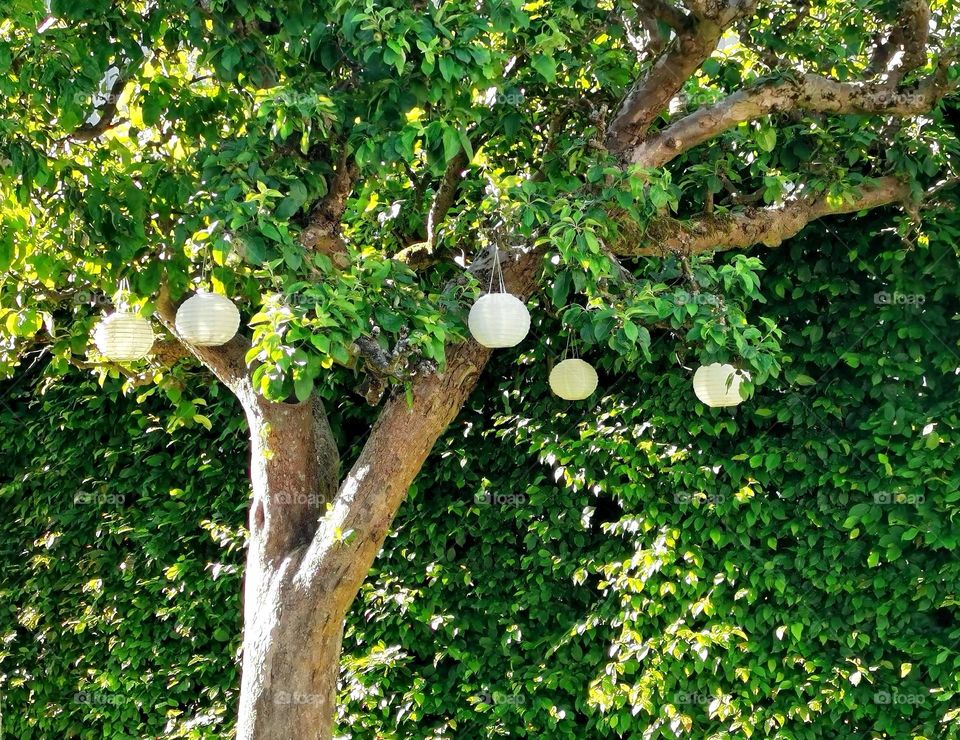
402	363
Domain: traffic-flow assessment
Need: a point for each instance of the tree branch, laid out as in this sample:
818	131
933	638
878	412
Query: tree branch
399	443
666	12
908	36
742	229
421	254
322	232
651	94
808	92
91	131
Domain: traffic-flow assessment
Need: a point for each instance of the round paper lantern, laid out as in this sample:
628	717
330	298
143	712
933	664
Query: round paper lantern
710	385
207	319
123	336
573	380
499	320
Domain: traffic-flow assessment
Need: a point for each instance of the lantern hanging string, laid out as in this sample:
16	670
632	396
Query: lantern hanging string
120	297
496	270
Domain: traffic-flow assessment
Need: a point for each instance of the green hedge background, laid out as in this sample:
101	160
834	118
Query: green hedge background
632	564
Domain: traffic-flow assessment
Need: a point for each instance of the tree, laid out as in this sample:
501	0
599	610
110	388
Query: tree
351	174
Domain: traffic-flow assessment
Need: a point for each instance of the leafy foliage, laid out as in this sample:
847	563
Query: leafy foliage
638	563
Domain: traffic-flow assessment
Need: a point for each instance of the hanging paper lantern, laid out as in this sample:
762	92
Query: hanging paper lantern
123	336
207	320
710	385
573	380
499	320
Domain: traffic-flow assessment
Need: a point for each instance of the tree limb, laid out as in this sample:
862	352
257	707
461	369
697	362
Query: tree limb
808	92
651	94
908	36
399	443
666	12
322	232
91	131
742	229
421	254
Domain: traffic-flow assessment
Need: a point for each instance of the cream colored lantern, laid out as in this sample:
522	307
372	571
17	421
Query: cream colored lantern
207	319
710	385
499	320
123	336
573	379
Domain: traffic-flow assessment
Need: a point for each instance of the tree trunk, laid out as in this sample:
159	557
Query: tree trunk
291	640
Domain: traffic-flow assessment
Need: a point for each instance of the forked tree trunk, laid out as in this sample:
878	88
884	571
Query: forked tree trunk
305	561
291	640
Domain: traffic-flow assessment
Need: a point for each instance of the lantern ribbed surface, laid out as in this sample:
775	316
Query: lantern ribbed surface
499	320
573	380
123	337
207	320
710	385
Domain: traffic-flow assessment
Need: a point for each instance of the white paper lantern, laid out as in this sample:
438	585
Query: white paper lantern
123	336
710	385
573	380
499	320
207	319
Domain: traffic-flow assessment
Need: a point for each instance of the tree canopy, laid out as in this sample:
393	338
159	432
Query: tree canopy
770	184
332	166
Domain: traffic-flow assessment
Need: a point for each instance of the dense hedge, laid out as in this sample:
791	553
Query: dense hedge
119	600
562	570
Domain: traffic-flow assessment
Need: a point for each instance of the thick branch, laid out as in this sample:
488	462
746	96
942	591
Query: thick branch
322	232
397	447
421	253
651	94
909	37
808	92
666	12
742	229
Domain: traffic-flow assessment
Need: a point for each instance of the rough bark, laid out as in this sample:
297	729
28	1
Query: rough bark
287	690
808	92
744	228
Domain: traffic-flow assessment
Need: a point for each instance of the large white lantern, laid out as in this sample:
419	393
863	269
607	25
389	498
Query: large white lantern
123	336
207	320
499	320
573	380
710	385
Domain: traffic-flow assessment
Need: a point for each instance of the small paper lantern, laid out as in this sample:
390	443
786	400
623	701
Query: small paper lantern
499	320
573	380
710	385
124	336
207	319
